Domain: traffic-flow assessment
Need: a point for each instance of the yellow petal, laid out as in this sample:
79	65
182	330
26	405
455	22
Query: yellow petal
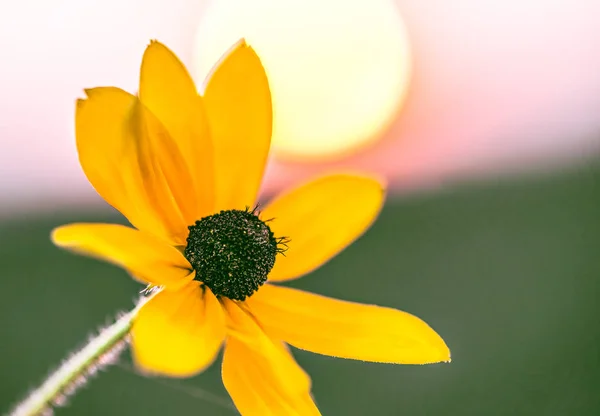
238	104
144	255
345	329
167	90
260	375
178	334
131	161
320	219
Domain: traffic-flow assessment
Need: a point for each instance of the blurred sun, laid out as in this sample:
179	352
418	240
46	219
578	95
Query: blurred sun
339	70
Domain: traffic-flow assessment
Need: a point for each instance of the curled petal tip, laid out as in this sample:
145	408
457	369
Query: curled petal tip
53	232
154	43
240	42
90	92
57	235
439	353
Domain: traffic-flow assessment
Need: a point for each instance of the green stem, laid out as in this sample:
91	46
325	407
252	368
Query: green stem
73	372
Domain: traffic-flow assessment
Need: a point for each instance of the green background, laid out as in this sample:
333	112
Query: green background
508	273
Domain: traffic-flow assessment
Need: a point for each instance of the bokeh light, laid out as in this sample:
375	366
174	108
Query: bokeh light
339	70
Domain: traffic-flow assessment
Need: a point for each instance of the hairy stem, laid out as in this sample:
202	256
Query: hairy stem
100	351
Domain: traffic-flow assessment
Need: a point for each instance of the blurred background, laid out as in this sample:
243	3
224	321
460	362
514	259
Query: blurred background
483	115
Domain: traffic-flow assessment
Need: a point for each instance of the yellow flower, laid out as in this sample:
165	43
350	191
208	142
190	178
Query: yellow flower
185	169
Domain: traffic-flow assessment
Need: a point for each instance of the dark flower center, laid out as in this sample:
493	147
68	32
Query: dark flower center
232	252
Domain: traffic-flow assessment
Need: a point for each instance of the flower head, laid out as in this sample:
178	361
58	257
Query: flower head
185	168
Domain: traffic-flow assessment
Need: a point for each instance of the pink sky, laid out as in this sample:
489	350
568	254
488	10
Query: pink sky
497	86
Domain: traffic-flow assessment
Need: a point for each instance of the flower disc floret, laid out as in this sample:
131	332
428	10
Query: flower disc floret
232	252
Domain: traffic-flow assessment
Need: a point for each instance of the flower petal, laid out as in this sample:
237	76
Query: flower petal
144	255
131	161
261	375
321	218
238	104
345	329
167	90
178	334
